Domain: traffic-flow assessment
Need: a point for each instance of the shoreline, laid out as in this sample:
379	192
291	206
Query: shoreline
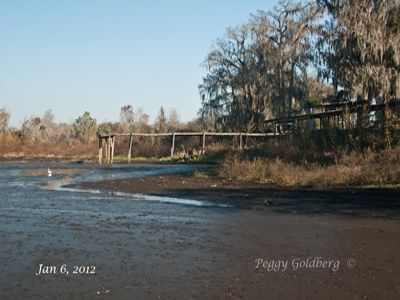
373	202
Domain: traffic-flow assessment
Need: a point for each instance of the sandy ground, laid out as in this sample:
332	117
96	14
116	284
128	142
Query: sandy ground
274	243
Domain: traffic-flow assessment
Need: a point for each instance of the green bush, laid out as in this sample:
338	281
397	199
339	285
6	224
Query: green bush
314	101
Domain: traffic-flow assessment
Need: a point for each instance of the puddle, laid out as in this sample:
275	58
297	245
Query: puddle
53	172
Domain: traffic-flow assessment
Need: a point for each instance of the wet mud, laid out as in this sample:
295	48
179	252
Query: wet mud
128	246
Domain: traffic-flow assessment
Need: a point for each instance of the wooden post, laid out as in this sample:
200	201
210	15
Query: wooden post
172	146
112	150
201	146
100	149
240	141
130	149
106	147
204	143
109	150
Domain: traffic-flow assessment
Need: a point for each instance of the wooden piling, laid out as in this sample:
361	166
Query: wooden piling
204	143
240	141
109	150
172	146
106	148
201	146
130	149
112	150
100	149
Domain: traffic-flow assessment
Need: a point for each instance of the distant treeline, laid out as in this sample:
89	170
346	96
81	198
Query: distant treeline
42	135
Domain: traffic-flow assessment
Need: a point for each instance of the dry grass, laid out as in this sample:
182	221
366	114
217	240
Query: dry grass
353	169
13	146
323	158
185	147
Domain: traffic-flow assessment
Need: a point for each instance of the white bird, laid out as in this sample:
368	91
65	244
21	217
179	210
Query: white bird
49	172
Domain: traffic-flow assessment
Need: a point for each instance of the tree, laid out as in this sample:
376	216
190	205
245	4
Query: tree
161	121
201	124
127	119
284	46
133	121
41	130
4	120
109	127
142	120
48	127
173	120
228	92
360	48
259	69
85	127
318	89
31	128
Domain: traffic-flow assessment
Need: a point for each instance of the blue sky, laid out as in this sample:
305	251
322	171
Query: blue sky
97	56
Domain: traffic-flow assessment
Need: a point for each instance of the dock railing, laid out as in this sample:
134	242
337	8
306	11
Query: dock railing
109	141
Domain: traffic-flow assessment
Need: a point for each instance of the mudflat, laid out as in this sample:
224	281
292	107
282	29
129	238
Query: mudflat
275	243
370	202
261	242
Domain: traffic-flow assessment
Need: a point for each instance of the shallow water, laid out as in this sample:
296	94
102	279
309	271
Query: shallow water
143	247
54	177
37	214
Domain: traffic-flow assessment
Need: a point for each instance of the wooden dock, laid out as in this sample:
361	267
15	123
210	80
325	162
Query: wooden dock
328	112
108	140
